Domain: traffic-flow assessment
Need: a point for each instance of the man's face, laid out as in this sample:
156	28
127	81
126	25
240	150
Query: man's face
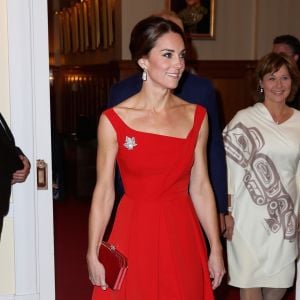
284	48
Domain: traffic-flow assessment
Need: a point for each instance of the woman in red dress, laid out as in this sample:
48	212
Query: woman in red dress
159	143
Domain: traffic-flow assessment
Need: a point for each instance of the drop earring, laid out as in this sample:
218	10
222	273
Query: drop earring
261	90
144	75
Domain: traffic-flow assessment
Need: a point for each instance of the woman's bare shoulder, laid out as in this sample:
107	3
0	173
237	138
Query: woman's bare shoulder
123	108
186	107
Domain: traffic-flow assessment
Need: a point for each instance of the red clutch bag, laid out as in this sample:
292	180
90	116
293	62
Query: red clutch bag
115	264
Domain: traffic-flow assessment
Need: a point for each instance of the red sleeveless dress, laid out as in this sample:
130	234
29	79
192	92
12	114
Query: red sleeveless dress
156	225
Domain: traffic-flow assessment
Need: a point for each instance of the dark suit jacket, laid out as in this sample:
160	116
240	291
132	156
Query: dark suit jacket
295	103
9	163
193	89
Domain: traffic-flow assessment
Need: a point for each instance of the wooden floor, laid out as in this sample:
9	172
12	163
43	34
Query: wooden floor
70	225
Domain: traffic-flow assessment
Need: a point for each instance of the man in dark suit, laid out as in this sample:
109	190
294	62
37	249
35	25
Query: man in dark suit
193	89
14	167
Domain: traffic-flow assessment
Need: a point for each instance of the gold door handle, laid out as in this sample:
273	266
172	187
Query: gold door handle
42	174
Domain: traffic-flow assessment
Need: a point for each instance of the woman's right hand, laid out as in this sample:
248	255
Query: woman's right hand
96	272
229	226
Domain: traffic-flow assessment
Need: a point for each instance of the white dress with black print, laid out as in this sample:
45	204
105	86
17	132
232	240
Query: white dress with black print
262	161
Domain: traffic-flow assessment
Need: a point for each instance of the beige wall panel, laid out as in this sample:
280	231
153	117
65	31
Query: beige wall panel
244	29
234	32
276	17
132	12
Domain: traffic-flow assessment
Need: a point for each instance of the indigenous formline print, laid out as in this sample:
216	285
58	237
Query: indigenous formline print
261	179
198	17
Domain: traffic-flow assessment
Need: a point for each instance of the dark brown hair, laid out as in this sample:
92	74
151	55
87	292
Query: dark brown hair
292	42
146	32
271	63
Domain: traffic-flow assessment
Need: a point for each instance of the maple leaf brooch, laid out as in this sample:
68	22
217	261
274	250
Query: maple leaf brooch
130	143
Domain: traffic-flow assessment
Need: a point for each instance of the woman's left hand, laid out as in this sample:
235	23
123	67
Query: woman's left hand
216	268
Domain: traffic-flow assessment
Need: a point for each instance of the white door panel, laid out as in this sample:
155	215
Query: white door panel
30	119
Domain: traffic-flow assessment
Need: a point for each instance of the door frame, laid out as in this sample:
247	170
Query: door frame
32	209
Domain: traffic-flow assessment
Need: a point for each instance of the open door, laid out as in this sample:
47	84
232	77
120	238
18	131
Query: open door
31	210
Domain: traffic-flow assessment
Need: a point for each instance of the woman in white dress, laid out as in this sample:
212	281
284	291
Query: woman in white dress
262	145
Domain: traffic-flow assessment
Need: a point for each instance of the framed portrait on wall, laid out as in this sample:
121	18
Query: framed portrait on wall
198	17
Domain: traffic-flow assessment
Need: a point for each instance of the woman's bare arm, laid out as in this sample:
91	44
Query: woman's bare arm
205	206
103	197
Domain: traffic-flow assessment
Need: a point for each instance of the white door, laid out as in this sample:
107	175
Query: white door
27	32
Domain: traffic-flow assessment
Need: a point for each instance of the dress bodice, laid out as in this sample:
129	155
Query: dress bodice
173	158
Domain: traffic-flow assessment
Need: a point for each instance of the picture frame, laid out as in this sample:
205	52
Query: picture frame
198	17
